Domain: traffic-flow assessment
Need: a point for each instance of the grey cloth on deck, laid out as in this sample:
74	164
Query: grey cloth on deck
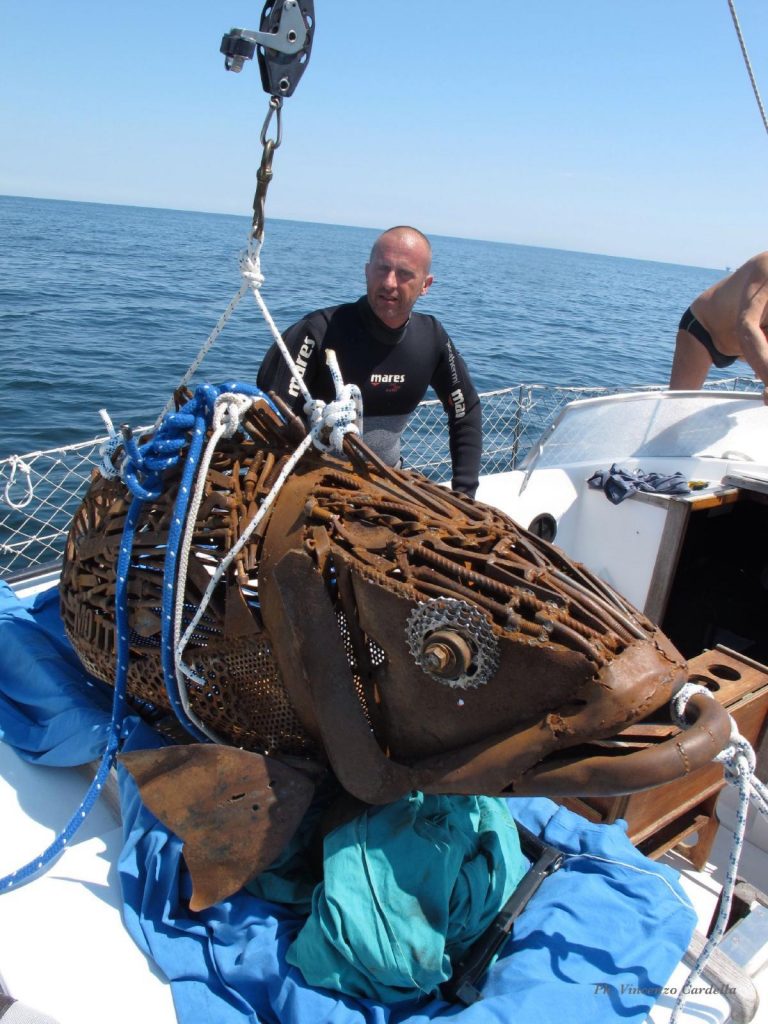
619	484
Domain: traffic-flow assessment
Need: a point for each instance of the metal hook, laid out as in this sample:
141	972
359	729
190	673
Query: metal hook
275	108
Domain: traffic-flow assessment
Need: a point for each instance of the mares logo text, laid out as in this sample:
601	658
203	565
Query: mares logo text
459	405
302	359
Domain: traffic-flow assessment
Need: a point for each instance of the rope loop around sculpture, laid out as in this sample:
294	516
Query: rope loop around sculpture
738	760
218	410
330	421
188	427
108	448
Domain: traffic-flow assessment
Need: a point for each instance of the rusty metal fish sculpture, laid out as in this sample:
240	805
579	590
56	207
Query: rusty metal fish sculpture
375	625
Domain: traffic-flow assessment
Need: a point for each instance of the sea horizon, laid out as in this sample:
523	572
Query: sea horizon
365	227
106	305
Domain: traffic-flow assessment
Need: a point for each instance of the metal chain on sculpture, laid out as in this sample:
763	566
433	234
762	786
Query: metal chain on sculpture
748	63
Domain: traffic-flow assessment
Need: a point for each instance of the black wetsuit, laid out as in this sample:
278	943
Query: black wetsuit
688	322
393	369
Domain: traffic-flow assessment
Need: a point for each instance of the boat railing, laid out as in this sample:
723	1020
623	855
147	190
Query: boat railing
40	491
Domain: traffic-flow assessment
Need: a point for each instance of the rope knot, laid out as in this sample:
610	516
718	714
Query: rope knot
250	269
228	412
680	702
330	421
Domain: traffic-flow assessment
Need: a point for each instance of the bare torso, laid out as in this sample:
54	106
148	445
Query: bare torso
723	307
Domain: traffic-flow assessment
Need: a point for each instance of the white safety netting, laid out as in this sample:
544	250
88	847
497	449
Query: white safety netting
40	491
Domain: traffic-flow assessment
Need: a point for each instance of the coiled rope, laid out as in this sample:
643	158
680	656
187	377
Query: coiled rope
738	760
142	468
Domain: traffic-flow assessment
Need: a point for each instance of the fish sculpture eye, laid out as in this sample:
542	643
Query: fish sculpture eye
453	642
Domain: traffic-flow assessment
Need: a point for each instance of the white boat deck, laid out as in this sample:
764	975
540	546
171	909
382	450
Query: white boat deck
63	948
65	952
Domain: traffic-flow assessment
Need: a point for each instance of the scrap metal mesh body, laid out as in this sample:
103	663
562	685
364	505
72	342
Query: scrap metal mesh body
445	622
242	698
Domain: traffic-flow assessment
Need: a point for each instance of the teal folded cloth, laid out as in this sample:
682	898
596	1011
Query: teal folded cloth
407	887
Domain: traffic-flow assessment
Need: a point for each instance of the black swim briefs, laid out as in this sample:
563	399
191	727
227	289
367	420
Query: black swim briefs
689	323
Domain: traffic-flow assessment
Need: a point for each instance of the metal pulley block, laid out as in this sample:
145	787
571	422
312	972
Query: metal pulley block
282	44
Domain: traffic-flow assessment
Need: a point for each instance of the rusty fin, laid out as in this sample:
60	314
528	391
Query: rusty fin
234	810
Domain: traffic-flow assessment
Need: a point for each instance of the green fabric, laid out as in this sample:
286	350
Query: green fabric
406	888
291	879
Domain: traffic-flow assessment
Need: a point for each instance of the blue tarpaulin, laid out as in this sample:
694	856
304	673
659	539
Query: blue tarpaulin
600	937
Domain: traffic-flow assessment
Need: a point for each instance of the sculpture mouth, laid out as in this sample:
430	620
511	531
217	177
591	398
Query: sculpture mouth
641	757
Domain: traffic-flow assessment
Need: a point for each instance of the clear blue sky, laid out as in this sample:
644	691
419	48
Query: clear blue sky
611	126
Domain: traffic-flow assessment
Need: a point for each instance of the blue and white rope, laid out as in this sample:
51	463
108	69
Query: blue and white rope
108	448
229	409
738	760
40	863
142	470
188	426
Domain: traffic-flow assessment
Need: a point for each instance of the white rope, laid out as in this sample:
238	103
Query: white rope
108	448
340	419
18	465
234	550
250	268
253	279
738	760
330	422
228	412
328	425
205	349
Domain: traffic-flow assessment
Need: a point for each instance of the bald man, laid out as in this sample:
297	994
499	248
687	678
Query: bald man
391	353
728	321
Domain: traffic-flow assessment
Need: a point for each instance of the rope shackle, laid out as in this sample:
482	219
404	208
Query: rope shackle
265	174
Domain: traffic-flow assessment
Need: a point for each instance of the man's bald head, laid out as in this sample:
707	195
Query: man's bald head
398	273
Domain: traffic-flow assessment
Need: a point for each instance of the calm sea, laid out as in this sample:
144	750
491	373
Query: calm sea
108	306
